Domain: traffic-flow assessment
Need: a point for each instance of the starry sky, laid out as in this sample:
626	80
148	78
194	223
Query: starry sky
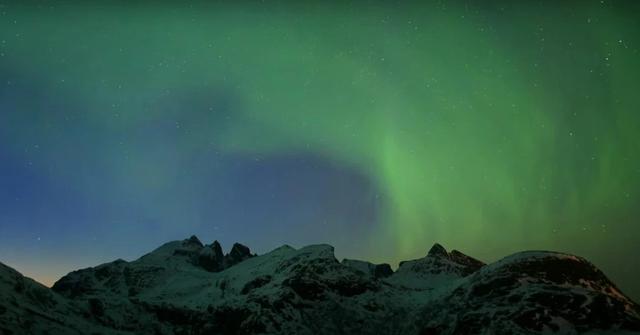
378	127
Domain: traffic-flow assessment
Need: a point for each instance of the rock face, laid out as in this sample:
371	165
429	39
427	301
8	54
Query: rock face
27	307
211	257
533	292
237	254
373	270
185	287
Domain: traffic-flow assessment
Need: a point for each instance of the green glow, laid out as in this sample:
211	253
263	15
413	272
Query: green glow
491	130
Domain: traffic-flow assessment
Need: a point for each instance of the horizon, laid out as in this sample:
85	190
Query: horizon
50	281
394	266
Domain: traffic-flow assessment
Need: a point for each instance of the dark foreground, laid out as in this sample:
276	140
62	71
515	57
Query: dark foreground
185	287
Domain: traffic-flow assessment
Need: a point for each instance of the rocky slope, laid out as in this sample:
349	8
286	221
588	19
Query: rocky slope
185	287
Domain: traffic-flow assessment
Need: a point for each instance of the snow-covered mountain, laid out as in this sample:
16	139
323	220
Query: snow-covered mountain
185	287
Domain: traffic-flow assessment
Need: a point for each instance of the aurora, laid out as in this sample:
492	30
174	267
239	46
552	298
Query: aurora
378	127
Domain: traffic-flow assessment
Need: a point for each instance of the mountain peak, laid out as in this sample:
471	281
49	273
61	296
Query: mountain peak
438	250
192	241
185	287
216	246
238	253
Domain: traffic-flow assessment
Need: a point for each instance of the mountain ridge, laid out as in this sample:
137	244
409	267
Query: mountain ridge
187	287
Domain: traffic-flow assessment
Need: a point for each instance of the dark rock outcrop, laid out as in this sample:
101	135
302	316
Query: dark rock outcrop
437	251
375	270
211	257
237	254
469	264
382	270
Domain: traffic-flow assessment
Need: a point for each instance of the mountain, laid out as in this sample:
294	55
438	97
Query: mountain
186	287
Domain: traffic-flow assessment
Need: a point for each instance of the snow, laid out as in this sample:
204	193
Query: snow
288	290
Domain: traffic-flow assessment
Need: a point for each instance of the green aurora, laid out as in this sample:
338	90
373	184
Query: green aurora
490	127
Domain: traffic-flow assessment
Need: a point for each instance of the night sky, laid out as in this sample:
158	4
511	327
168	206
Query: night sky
377	127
